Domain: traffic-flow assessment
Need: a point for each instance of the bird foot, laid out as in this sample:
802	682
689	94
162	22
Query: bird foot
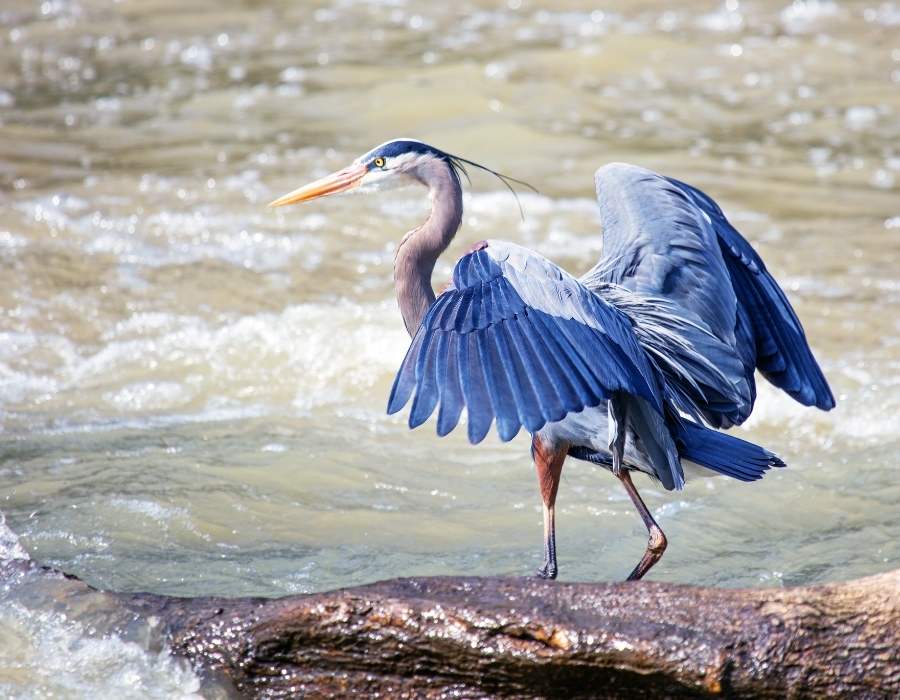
546	572
656	545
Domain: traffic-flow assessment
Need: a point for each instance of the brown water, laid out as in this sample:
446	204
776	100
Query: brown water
192	386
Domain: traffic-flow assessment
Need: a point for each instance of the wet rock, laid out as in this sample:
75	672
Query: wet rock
526	638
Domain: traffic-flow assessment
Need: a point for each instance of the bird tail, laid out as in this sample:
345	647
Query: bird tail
724	453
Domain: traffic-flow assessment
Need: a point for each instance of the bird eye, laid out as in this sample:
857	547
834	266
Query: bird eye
379	162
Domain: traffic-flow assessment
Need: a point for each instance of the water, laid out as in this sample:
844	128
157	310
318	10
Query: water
193	385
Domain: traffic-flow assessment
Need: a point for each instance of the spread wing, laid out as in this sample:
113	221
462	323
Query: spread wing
658	243
517	340
766	320
666	239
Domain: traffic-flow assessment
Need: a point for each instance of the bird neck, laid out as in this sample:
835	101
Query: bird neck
420	248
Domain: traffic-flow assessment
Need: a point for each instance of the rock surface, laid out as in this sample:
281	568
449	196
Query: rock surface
525	638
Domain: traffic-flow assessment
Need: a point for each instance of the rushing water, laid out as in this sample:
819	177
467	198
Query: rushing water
192	386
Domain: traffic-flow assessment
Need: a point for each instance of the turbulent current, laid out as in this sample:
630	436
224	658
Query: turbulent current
192	386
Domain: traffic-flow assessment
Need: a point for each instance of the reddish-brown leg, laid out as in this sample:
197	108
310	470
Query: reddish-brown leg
656	545
548	461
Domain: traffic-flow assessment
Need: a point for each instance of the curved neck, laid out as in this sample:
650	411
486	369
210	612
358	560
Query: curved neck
420	248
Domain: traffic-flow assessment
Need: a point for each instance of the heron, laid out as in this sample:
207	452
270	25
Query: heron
634	366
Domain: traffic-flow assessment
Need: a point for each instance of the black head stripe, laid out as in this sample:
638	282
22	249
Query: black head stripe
457	164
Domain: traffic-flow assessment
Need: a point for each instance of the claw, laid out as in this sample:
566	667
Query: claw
546	572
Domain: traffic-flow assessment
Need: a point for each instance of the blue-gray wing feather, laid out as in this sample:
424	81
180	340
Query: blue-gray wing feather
766	320
663	238
657	242
519	363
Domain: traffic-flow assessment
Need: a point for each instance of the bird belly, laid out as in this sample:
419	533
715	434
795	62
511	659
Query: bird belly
589	430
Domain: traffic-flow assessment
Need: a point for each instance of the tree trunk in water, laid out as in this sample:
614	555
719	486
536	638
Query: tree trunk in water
526	638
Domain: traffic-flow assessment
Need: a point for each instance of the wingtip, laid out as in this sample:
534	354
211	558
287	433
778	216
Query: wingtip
394	404
508	429
827	402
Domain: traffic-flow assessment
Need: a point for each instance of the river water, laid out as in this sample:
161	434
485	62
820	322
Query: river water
192	386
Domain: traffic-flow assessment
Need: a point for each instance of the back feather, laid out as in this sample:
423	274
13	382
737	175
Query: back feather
703	376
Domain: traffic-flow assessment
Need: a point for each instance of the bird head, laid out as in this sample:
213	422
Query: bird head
393	163
390	164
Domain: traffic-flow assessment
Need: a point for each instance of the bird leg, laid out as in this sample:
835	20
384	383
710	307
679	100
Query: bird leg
617	410
548	462
656	545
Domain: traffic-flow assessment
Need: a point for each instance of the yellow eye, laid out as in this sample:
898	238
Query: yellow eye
379	162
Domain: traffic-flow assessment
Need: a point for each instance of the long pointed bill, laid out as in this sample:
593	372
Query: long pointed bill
341	181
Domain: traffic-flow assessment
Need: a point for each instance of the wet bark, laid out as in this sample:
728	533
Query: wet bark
525	638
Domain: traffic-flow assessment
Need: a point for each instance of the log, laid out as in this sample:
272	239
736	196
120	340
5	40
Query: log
528	638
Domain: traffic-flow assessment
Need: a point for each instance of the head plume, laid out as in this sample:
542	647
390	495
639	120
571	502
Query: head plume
399	147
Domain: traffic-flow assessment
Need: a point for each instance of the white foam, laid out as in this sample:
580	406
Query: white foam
150	509
173	237
57	657
149	396
45	653
305	356
866	415
10	547
803	15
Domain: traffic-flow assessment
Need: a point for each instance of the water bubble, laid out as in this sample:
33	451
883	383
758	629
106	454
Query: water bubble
292	74
198	56
859	118
883	179
496	71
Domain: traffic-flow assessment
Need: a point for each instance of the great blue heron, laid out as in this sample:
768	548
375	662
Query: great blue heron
620	367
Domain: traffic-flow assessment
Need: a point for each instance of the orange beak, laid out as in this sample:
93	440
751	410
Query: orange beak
341	181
